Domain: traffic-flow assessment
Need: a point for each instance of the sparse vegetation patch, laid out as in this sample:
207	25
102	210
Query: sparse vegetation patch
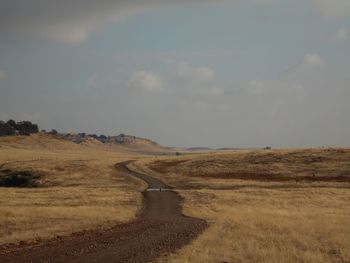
12	178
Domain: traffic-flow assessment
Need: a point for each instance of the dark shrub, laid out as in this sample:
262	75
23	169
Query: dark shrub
7	129
12	123
26	127
103	137
94	136
53	131
21	128
10	178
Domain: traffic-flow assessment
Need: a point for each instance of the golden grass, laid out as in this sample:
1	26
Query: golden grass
282	164
262	221
264	225
80	188
249	220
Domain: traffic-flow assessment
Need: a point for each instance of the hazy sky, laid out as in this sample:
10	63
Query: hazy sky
239	73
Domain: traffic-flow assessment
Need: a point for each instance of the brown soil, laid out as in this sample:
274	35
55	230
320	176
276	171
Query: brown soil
162	167
273	177
160	228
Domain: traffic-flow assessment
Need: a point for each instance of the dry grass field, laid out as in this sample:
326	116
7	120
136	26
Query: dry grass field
263	206
77	188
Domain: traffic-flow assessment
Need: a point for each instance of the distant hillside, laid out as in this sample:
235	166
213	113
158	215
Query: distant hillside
198	149
228	149
13	131
133	141
37	142
43	142
123	140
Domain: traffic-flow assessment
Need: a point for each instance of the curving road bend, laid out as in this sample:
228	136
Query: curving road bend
160	228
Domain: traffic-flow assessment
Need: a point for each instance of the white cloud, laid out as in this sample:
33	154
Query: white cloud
313	59
333	8
207	91
214	90
256	87
3	75
73	21
199	74
310	60
63	21
282	89
196	81
92	80
342	34
61	34
182	79
146	81
300	92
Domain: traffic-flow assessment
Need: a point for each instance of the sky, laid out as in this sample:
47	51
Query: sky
225	73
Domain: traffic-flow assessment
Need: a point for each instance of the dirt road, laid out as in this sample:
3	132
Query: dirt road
160	228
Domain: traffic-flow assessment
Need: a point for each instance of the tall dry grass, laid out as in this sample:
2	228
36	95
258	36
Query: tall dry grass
293	164
262	221
79	188
264	225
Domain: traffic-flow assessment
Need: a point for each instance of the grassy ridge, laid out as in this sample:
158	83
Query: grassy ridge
263	220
